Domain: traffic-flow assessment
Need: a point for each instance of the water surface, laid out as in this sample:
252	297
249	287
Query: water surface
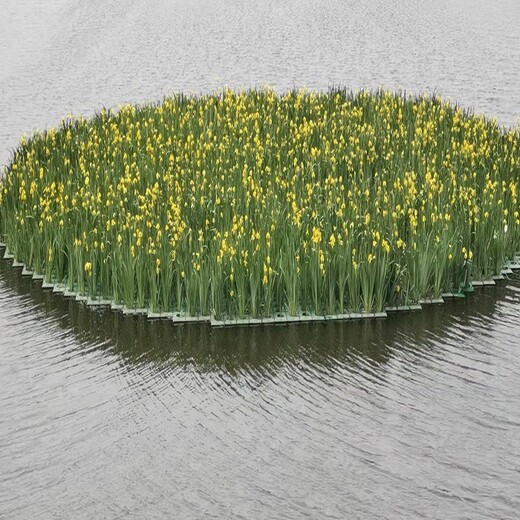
415	416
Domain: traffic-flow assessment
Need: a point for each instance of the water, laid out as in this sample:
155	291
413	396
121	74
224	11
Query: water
109	417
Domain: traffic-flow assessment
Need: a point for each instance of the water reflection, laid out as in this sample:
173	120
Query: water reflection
148	418
263	348
415	416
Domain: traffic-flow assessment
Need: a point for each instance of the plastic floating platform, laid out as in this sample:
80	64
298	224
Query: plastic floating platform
229	323
179	317
160	315
98	302
485	283
133	312
405	308
431	301
286	319
452	295
355	316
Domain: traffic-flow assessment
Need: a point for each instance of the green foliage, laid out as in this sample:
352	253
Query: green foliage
253	203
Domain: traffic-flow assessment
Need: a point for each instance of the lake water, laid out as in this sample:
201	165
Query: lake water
414	416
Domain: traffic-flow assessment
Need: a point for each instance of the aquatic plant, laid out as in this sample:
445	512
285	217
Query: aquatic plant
252	203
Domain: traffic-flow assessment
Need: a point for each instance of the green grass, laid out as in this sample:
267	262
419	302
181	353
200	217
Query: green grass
252	203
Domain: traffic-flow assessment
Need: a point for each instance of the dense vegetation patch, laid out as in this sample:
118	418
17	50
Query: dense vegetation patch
249	203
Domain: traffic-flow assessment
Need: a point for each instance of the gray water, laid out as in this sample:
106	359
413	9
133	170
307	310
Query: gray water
414	416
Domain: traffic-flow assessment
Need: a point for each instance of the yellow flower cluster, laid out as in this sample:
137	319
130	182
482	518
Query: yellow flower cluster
247	202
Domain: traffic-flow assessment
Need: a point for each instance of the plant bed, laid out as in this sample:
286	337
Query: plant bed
239	204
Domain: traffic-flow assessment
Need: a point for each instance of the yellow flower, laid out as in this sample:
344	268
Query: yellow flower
316	235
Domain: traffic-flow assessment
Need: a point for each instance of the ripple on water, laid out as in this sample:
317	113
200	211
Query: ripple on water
415	416
107	413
